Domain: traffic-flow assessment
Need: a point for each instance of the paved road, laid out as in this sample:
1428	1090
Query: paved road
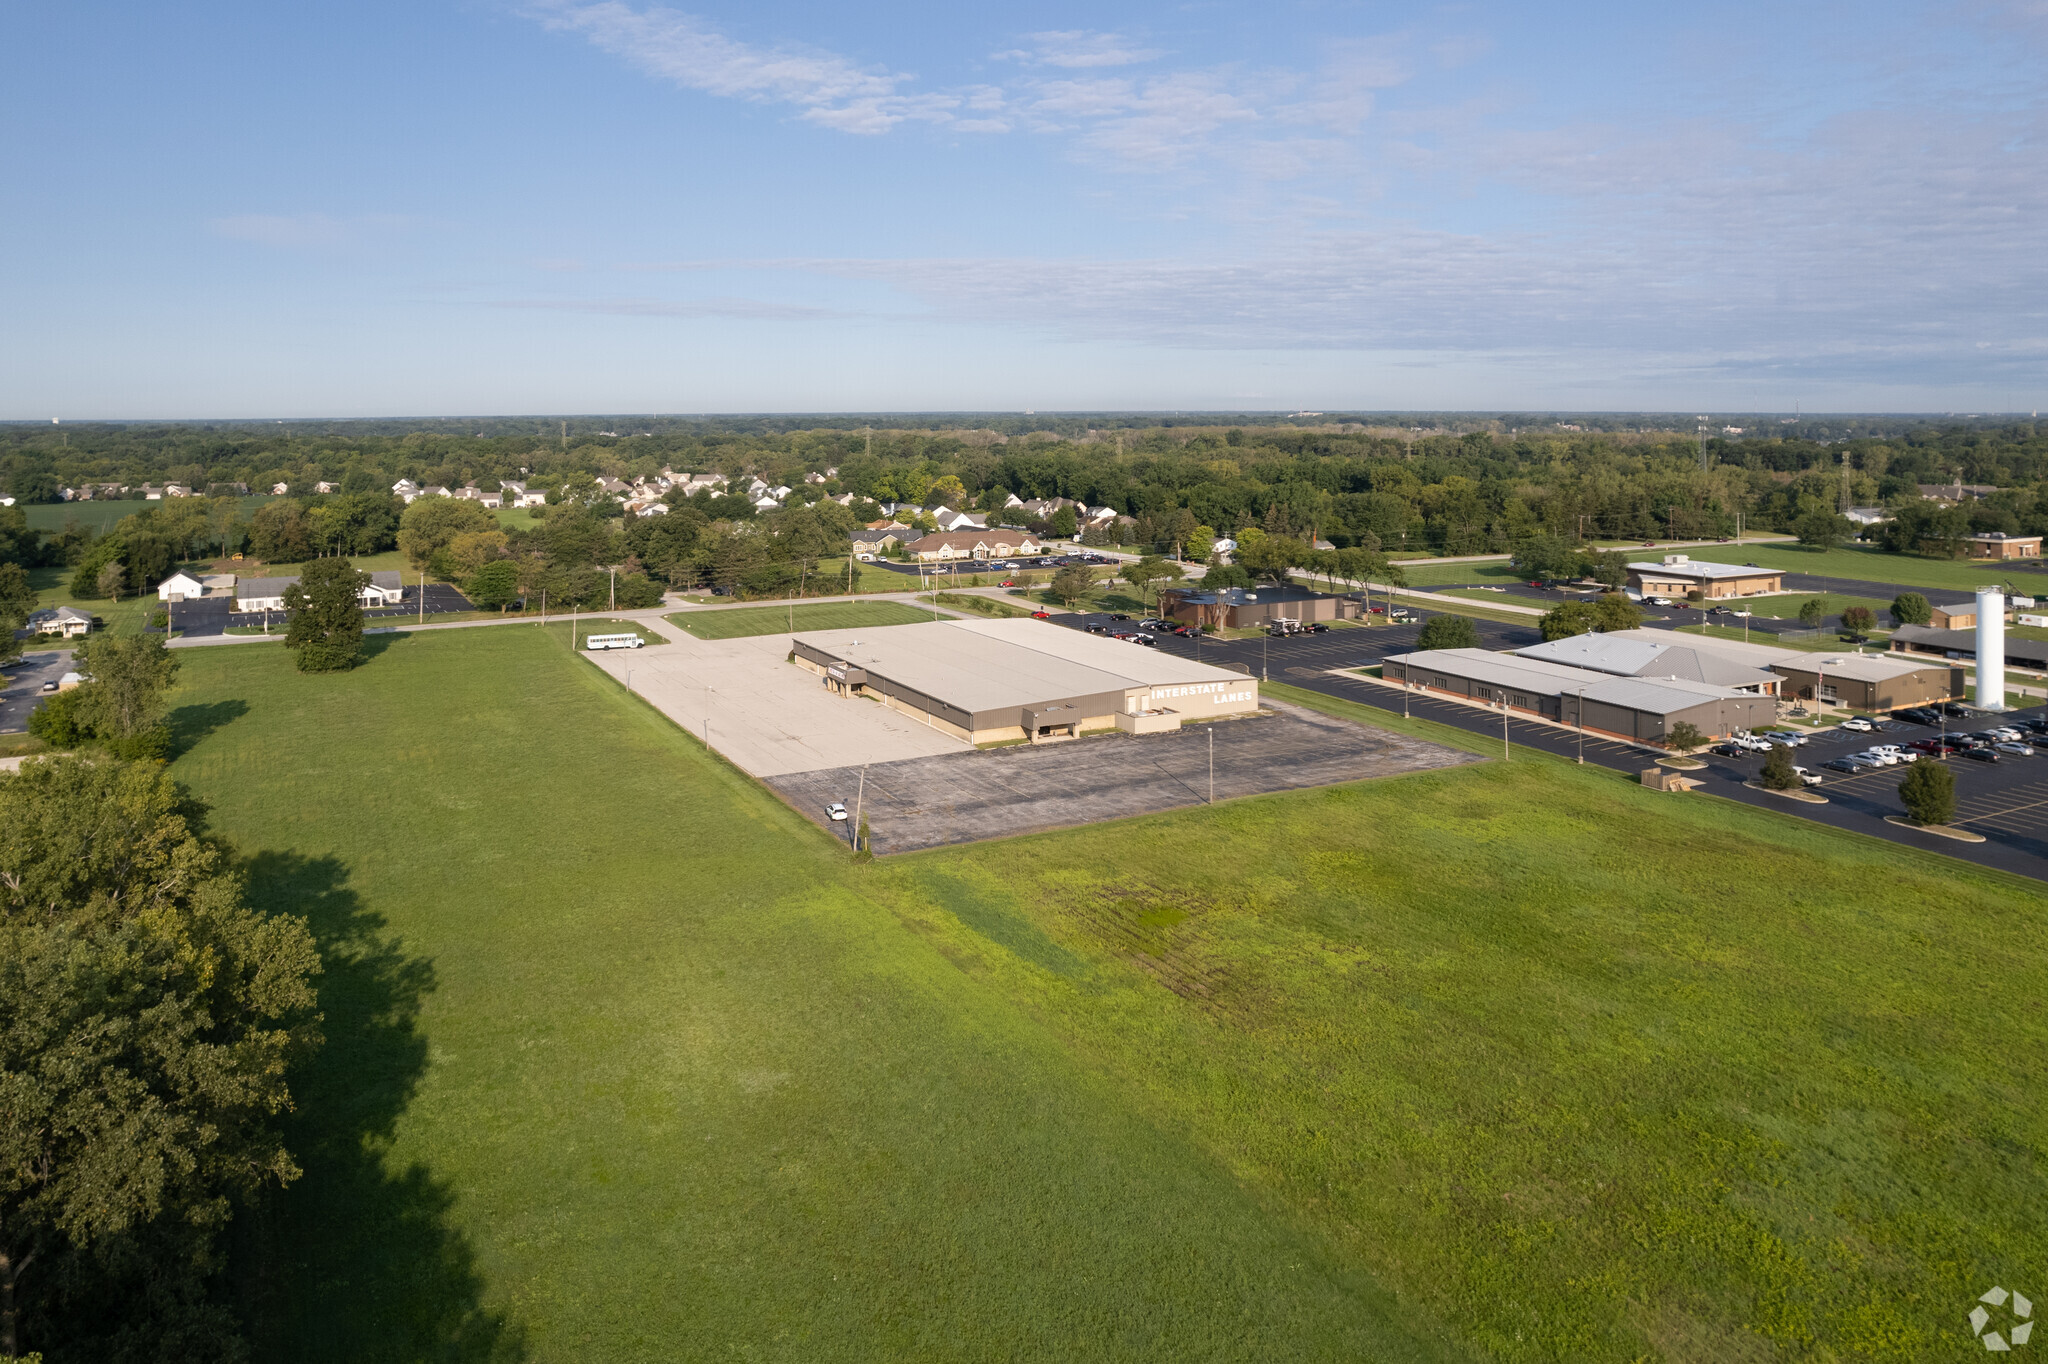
2007	803
24	686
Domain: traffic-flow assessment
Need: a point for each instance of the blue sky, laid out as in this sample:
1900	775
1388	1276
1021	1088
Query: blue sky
486	206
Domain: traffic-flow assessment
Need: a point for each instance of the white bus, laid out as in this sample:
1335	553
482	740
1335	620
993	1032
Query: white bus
613	642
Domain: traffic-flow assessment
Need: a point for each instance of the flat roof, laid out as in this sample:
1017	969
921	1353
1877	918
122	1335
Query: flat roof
1846	663
1694	568
1659	696
983	665
1626	656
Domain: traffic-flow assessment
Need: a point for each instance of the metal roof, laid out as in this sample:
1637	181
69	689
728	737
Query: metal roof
983	665
1628	656
1659	696
1845	663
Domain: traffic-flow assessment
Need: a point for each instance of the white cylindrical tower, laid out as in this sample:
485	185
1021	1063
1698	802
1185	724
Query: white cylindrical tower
1990	648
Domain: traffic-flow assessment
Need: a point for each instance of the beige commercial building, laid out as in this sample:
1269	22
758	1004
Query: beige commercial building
997	680
1678	575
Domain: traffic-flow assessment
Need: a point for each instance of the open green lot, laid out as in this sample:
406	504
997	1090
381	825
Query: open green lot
1863	563
774	620
627	1061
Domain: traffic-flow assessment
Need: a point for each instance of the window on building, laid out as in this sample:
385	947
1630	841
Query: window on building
1521	700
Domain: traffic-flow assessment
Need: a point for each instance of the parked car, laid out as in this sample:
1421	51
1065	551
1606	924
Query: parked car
1982	753
1858	724
2003	732
1877	759
1790	737
1806	778
1145	640
1861	762
835	811
2017	748
1041	615
1843	765
1919	715
1731	749
1955	711
49	687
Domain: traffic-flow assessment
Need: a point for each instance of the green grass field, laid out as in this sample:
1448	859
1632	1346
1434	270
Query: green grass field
777	620
627	1061
1862	563
104	516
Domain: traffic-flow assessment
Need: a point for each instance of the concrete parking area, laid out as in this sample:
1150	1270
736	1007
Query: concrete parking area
965	797
764	714
23	686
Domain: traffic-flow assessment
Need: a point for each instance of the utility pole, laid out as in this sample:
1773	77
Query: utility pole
1212	764
615	589
1582	726
423	596
1504	755
860	796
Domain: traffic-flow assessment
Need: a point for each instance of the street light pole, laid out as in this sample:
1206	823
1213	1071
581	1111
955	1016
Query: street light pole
1504	755
1582	726
1212	764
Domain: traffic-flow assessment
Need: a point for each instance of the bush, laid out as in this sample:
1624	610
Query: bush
1684	735
57	722
1910	608
637	590
1778	774
1929	792
1447	632
1858	619
1812	612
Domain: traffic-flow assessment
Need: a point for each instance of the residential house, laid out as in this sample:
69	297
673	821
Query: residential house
405	488
532	497
152	493
766	503
177	490
326	487
280	489
1868	516
653	509
436	491
878	540
385	588
1950	494
949	520
814	477
180	587
986	544
67	621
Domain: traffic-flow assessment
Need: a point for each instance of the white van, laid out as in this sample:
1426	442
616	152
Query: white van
613	642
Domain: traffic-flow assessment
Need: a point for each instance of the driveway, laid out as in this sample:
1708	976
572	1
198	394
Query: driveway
24	685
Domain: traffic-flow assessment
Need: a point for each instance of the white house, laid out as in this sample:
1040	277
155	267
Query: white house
766	504
67	621
180	587
385	588
405	488
326	487
279	489
533	497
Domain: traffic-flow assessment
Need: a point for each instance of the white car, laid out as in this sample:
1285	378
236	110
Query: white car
1860	726
835	812
2015	747
1809	778
1880	758
2006	732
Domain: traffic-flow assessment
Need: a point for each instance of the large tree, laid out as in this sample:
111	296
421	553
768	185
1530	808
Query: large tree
1911	608
123	705
1569	618
1929	792
326	622
147	1021
17	604
431	522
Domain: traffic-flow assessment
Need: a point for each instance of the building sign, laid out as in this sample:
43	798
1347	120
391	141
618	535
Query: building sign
1217	693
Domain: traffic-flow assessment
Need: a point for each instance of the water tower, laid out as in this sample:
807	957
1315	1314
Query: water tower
1990	648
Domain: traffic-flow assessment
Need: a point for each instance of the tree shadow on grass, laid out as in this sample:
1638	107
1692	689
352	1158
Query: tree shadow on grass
357	1260
375	645
190	724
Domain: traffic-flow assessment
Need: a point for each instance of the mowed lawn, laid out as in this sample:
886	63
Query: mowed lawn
1857	563
1518	1061
776	620
625	1063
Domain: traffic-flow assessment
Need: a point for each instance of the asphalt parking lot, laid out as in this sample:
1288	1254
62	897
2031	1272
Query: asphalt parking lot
213	615
2006	802
24	686
965	797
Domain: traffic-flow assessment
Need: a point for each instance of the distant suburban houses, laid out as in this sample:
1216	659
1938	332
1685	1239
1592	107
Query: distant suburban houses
67	621
385	588
998	544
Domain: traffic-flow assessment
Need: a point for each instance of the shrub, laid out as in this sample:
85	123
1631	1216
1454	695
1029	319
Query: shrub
1778	774
1447	632
1812	612
1910	608
1857	619
57	723
1929	792
1684	735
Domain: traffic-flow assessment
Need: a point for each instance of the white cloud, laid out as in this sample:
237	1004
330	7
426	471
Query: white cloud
1080	48
828	88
